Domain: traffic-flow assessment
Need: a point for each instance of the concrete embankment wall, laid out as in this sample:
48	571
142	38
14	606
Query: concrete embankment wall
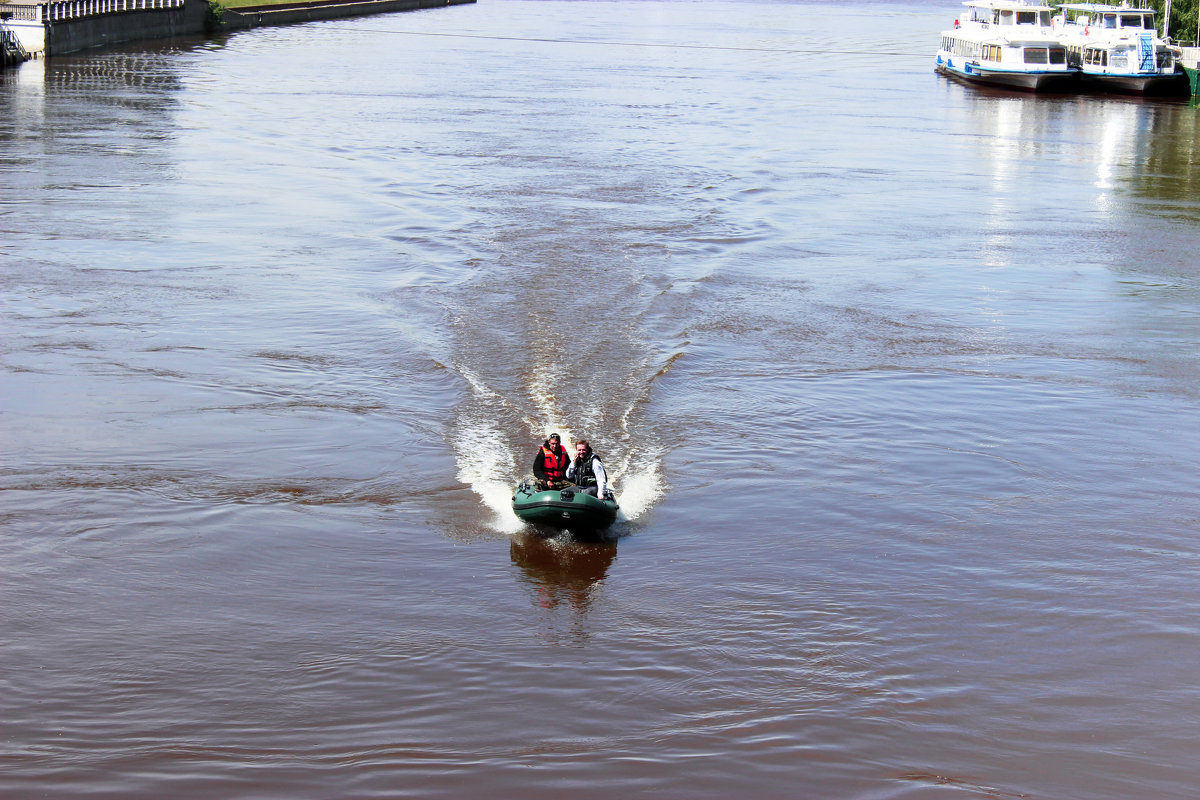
60	27
285	14
79	34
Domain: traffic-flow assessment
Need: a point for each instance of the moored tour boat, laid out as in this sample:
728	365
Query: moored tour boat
566	508
1118	49
1005	43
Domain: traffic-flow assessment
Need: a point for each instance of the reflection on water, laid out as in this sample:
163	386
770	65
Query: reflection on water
1165	162
103	74
1147	146
563	571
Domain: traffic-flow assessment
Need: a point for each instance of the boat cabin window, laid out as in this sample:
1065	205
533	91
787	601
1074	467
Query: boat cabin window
1004	17
1110	20
1042	55
1026	17
1131	20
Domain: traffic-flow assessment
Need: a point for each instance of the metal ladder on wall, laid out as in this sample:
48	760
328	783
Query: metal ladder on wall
11	51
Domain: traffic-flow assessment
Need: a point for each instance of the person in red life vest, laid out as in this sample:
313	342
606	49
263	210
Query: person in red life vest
588	473
550	463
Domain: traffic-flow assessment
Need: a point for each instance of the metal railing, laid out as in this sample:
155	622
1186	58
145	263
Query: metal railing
28	13
62	10
11	51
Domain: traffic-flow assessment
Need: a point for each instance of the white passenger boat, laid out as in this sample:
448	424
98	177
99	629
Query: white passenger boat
1005	43
1117	48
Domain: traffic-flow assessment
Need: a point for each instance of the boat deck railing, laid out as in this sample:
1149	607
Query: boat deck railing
1190	57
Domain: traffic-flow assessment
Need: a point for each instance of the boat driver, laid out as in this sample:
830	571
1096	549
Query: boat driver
550	463
587	472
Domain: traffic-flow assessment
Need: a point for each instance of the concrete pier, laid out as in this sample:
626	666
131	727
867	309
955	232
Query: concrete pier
287	13
56	27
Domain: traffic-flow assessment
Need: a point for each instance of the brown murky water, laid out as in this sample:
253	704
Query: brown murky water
898	380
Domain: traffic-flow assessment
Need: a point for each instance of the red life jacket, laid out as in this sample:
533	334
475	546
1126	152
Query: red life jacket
555	464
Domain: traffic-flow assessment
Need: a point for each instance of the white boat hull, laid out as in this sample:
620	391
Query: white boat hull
1157	83
1024	80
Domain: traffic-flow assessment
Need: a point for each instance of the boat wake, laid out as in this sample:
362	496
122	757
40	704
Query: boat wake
496	437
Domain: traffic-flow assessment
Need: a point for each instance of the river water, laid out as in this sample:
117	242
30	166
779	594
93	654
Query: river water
897	378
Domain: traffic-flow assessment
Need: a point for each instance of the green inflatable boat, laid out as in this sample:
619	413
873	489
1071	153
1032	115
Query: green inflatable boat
566	508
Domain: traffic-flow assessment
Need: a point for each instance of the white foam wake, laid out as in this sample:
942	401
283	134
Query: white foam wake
486	461
639	490
487	468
